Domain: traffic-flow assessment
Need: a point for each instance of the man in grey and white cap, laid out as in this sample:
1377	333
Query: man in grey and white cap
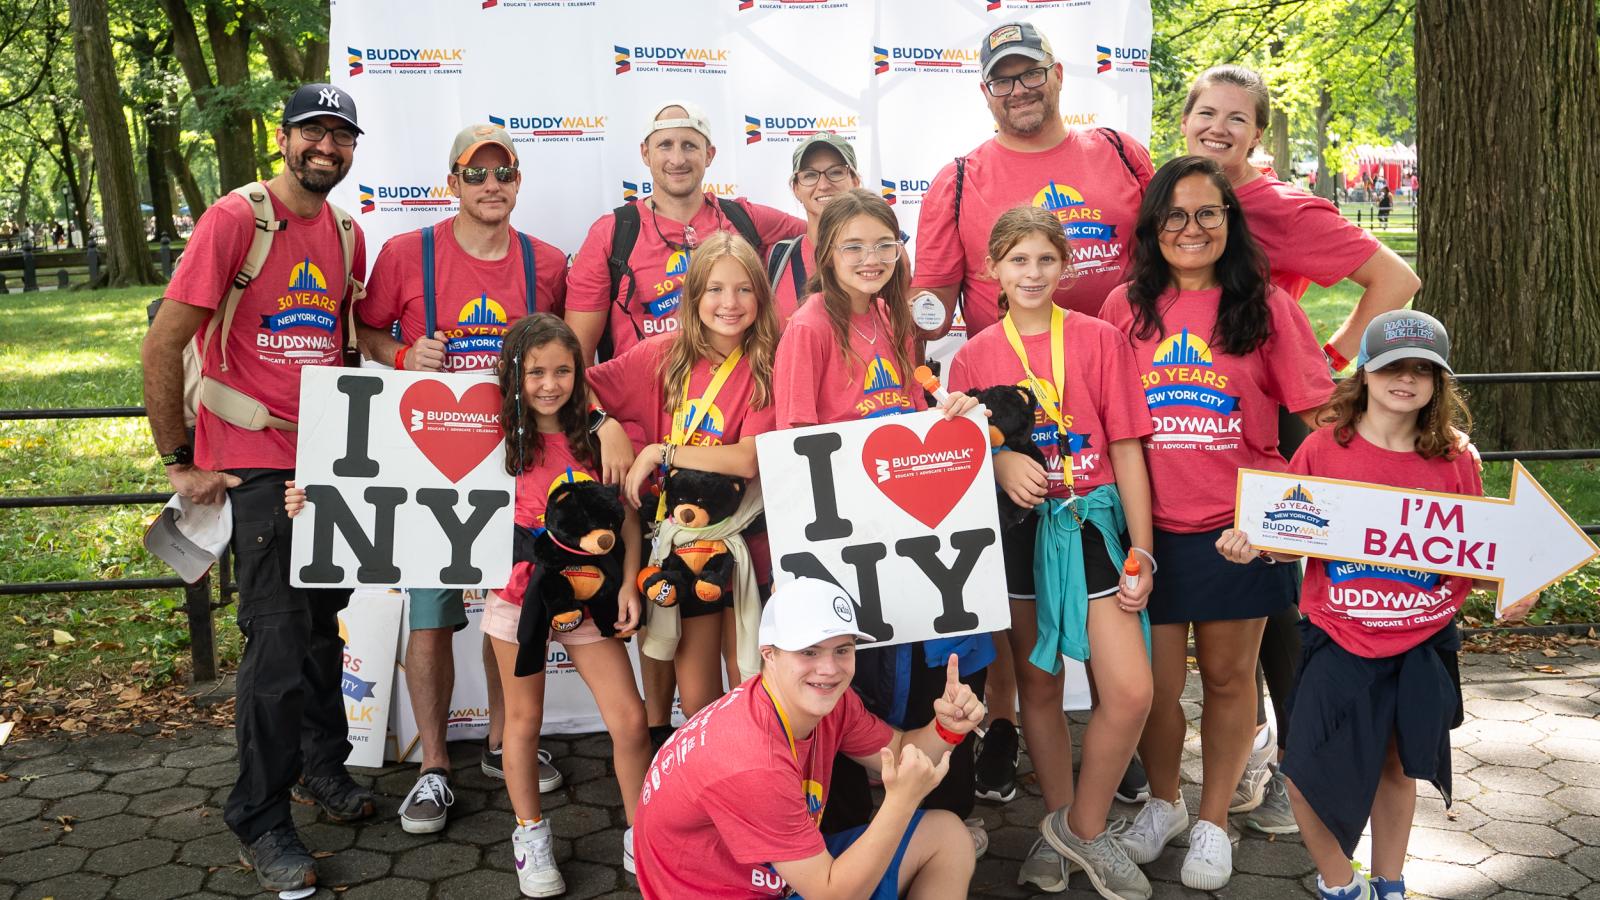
742	818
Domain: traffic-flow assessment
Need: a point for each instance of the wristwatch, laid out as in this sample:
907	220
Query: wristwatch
597	417
181	455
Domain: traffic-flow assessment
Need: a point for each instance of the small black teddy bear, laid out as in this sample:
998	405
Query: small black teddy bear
1010	426
700	569
577	560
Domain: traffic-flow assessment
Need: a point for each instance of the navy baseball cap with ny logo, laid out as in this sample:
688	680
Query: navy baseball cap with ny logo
312	100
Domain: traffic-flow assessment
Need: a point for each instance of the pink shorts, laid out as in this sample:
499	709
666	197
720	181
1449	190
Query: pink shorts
500	619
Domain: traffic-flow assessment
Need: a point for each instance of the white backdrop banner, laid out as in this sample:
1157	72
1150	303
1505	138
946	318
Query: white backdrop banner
574	80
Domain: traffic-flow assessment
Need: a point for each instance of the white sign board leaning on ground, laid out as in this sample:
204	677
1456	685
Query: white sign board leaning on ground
1526	543
898	511
405	481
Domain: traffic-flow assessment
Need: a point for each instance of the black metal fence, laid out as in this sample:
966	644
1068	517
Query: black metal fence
70	268
202	598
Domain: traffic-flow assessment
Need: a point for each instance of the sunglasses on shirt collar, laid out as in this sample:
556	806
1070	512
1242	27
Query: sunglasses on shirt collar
480	174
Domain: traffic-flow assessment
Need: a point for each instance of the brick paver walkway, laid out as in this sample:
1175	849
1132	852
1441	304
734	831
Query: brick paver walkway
146	824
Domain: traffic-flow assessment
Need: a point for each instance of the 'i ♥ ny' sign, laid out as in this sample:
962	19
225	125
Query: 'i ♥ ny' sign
898	511
405	481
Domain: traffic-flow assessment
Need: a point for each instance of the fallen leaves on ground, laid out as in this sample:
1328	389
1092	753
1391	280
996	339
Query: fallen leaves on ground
107	703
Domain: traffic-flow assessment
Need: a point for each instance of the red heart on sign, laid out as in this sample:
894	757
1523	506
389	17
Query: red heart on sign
455	435
925	476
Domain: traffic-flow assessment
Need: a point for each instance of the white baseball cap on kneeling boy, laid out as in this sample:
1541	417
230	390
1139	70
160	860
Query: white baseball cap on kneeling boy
805	612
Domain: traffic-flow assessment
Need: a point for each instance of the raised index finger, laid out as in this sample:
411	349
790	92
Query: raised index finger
952	671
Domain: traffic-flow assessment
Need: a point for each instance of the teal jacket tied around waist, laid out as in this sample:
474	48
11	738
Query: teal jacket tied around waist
1060	588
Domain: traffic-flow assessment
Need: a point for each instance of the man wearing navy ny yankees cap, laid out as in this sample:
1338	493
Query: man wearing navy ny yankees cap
731	804
308	259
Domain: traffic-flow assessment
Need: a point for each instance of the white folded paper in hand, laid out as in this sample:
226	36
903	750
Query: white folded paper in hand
190	536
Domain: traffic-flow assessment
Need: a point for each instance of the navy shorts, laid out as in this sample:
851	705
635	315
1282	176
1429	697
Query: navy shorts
1101	573
889	886
1194	583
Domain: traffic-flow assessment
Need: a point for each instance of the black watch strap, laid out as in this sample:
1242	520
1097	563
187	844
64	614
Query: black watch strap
181	455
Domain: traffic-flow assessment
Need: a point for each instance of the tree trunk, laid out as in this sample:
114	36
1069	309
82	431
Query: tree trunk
167	139
127	253
230	49
25	188
69	171
1326	180
160	186
1507	244
231	133
1278	129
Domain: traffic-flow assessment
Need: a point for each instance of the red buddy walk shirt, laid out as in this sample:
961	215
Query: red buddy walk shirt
1105	402
1305	237
290	316
1213	413
651	296
1083	181
556	466
784	299
475	300
725	798
631	389
817	384
1379	611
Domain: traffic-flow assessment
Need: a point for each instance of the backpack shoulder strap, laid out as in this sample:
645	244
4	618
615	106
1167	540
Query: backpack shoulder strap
739	217
624	234
1116	141
429	307
961	179
779	260
530	271
266	225
354	288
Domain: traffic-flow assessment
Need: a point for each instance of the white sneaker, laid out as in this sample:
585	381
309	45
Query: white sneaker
1044	868
533	848
627	852
1257	772
1157	823
980	836
1209	864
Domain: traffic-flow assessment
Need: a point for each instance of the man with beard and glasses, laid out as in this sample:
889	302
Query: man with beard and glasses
1092	180
290	719
486	275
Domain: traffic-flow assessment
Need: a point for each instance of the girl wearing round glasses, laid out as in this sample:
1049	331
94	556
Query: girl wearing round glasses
848	354
1220	349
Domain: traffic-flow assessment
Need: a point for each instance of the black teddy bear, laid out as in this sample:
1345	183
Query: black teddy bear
1010	426
702	570
577	567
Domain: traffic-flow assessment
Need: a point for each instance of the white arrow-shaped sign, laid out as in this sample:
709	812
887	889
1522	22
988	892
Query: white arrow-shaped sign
1526	542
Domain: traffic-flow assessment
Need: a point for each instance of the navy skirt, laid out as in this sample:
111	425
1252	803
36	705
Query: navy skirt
1193	583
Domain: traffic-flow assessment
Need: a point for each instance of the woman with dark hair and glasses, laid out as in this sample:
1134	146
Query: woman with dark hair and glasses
1220	349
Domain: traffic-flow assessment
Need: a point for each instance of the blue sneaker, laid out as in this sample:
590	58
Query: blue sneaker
1357	889
1384	889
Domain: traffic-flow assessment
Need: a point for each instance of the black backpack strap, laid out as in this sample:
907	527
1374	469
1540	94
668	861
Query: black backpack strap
786	255
797	270
428	311
740	219
530	271
624	235
961	180
1116	141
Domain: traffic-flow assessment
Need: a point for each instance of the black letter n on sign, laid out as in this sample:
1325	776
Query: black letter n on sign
376	555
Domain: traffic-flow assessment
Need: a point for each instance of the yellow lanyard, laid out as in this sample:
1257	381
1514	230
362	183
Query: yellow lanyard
1058	365
694	413
783	720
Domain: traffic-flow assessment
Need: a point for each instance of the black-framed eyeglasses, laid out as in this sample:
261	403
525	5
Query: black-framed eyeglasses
315	132
1003	85
480	174
835	174
1209	217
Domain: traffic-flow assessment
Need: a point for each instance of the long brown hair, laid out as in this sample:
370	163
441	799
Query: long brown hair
692	344
1024	221
524	443
1437	423
895	294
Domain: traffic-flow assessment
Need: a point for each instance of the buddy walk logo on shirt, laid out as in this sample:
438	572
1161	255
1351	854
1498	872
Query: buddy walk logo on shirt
1094	242
306	306
1183	377
884	391
1044	436
474	344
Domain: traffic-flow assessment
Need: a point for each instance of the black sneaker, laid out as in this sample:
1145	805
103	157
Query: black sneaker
339	796
995	774
1135	785
280	861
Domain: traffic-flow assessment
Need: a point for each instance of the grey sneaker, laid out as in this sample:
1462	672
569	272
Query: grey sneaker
1274	815
338	795
549	776
1157	823
1253	783
1044	868
980	836
280	861
428	805
1112	873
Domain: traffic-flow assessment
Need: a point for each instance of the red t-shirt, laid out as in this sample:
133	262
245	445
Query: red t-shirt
290	316
556	465
1104	400
725	797
631	389
475	300
816	384
1305	237
651	296
1082	180
1213	413
784	299
1378	611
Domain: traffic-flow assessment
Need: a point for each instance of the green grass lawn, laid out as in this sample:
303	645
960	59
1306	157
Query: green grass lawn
80	349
